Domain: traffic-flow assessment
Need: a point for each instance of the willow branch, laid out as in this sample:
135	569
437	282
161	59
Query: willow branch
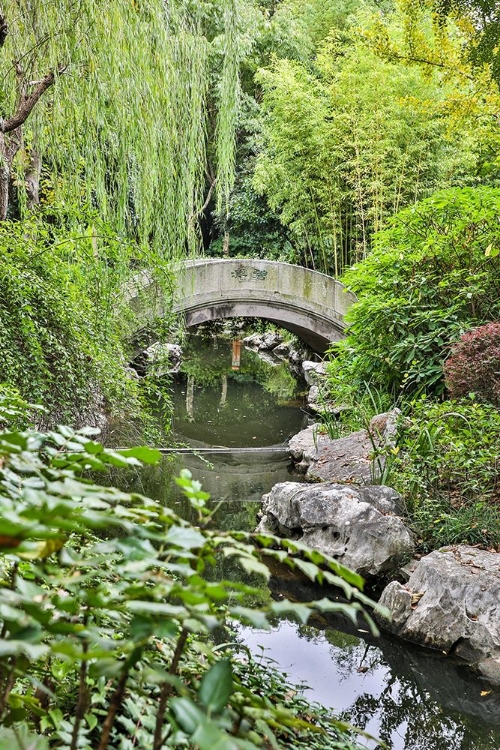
195	214
28	103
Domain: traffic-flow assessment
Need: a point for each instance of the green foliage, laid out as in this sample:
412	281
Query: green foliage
431	275
107	605
447	469
348	142
126	122
59	333
483	20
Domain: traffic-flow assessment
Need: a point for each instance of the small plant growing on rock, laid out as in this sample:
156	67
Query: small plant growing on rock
474	365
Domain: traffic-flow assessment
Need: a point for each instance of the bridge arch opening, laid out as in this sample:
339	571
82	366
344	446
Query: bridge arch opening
315	333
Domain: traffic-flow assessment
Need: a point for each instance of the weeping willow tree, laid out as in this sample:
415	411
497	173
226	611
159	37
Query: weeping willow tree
112	97
109	111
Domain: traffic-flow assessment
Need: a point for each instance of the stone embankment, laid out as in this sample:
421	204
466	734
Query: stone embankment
356	458
448	600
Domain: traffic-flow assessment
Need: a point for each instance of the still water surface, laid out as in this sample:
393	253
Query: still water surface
410	698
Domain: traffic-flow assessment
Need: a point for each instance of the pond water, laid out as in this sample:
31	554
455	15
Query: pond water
255	405
410	698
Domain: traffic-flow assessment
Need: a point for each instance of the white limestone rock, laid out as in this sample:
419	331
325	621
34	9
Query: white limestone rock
451	602
358	526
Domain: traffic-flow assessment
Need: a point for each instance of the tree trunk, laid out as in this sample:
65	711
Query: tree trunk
4	178
225	244
33	180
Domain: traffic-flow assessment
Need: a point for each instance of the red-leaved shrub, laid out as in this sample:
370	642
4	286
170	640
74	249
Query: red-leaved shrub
474	365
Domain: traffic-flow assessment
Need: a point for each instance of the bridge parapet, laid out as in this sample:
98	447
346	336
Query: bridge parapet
309	303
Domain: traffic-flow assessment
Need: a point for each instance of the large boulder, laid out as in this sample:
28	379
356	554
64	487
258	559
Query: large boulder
349	459
313	372
451	602
359	526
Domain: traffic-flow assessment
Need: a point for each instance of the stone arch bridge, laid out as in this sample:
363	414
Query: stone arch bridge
310	304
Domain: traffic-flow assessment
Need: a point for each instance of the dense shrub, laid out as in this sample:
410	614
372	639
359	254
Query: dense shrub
432	273
59	336
447	468
474	365
108	600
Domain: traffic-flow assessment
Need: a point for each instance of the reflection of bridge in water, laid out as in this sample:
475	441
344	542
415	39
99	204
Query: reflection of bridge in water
310	304
236	473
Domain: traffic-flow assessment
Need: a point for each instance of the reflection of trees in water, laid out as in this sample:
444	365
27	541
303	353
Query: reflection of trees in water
404	708
207	361
349	653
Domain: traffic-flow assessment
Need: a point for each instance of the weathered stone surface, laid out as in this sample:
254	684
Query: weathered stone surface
356	525
163	358
348	459
282	351
314	400
319	403
162	351
252	341
270	340
304	446
313	371
262	341
268	357
452	602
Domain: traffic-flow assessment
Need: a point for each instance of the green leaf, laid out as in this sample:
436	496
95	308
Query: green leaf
216	686
185	537
293	608
91	720
187	714
252	565
208	736
32	651
142	453
310	569
492	252
253	616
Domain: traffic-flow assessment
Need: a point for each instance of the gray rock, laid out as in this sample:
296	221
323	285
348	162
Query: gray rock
268	357
270	340
263	341
282	351
253	341
452	602
359	526
163	351
304	446
349	459
295	355
163	358
314	399
313	371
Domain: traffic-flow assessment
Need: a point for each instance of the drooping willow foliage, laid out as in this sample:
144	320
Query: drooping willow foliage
229	91
125	124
